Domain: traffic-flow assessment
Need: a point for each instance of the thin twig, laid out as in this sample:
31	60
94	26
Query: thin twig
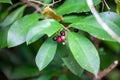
39	2
100	21
106	5
95	41
38	9
103	5
54	2
103	73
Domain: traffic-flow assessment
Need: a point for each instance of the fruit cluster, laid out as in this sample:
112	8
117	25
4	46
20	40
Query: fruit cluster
60	38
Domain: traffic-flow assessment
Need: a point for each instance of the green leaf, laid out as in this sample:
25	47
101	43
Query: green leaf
48	26
71	6
93	28
84	52
5	25
108	16
23	71
5	1
46	53
72	65
90	25
3	37
19	29
73	19
13	16
6	12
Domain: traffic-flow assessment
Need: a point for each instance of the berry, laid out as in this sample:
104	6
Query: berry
62	33
59	39
76	30
54	38
62	37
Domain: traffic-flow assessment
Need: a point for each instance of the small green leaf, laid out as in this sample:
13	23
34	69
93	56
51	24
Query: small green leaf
72	65
5	1
13	16
18	31
84	52
71	6
46	53
48	26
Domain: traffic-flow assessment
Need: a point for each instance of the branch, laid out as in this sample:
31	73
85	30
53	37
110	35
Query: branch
38	9
103	73
39	2
100	21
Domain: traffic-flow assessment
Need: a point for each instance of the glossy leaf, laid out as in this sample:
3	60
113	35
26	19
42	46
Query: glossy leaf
48	26
108	16
5	1
72	65
18	31
71	6
5	25
90	25
93	28
13	16
46	53
84	52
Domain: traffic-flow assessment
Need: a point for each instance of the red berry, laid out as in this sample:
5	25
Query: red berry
62	33
55	38
59	39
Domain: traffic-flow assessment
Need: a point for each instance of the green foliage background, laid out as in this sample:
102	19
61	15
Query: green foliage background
27	51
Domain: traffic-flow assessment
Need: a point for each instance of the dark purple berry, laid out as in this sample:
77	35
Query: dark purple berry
76	30
62	33
55	38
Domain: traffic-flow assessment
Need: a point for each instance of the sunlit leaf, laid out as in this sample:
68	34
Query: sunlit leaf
90	25
6	24
18	31
48	26
46	53
84	52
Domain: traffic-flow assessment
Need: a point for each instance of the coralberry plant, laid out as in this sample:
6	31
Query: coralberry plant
50	18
